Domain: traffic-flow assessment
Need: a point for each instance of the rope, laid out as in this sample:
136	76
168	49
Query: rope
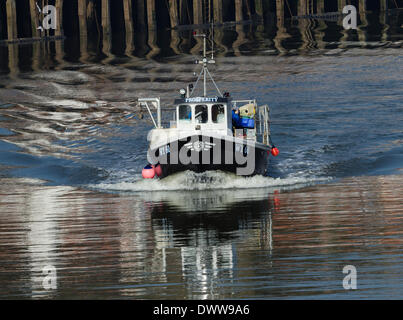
194	88
214	82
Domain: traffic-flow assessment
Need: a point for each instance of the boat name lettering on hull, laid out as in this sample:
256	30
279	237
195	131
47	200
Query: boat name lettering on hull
201	99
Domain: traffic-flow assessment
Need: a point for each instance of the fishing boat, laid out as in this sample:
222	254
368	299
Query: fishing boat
208	132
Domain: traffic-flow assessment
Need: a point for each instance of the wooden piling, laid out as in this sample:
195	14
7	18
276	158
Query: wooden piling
11	19
59	44
82	21
259	32
34	19
384	5
13	59
197	12
259	7
59	18
151	16
217	11
82	17
384	20
238	10
310	6
221	49
240	40
106	49
152	27
173	13
128	13
175	41
152	43
106	31
197	19
302	8
321	27
305	25
320	6
281	30
280	13
12	34
361	28
106	17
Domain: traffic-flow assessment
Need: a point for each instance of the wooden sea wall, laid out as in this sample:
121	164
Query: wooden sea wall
21	19
106	29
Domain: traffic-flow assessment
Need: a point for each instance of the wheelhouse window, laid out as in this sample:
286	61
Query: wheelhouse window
217	113
185	113
201	113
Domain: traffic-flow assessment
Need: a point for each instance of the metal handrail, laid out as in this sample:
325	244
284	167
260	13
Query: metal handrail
157	104
264	118
234	102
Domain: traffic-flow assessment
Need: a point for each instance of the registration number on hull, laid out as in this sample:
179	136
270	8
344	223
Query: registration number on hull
164	150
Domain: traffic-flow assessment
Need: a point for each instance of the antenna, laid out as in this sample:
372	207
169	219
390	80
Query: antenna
212	33
205	62
212	39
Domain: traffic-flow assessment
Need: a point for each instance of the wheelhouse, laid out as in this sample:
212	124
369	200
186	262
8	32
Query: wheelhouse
202	114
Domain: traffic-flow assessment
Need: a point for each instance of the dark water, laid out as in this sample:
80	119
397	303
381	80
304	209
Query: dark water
73	144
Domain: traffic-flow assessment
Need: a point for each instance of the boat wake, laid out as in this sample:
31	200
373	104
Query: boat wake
210	180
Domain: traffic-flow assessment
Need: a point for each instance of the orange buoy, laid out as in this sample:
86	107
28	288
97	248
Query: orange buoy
148	172
274	151
158	170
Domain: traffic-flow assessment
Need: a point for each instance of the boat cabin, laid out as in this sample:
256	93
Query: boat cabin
220	115
236	121
202	113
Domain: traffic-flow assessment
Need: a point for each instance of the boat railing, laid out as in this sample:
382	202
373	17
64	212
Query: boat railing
262	119
239	103
264	123
156	103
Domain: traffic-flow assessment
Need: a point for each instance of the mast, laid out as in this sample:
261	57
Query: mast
204	62
204	66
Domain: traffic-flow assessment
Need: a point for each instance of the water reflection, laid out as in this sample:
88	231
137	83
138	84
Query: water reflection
101	243
225	244
208	224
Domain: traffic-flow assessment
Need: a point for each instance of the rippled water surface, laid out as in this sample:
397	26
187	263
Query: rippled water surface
73	142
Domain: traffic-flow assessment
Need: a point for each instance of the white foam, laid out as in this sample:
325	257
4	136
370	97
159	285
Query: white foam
211	180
